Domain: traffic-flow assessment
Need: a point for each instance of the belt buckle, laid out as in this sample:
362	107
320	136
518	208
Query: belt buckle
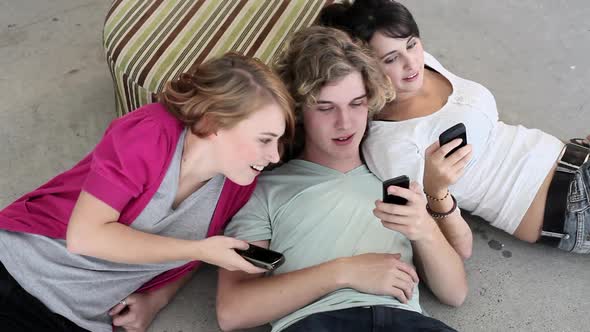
555	235
572	157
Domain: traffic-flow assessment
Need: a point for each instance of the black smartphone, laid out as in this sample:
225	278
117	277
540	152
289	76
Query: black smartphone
262	257
456	131
400	181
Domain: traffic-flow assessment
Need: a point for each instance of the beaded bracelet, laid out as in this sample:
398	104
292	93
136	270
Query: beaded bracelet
432	198
437	215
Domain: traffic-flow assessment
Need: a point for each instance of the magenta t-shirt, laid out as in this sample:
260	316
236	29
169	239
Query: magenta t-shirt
124	170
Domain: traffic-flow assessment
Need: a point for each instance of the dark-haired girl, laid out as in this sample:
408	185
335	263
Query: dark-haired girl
523	181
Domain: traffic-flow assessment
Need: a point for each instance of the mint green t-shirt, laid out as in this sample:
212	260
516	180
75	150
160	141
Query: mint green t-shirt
313	214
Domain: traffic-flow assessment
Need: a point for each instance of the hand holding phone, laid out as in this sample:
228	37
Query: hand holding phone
262	257
456	131
400	181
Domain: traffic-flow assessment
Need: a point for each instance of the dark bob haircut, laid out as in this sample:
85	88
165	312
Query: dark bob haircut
363	18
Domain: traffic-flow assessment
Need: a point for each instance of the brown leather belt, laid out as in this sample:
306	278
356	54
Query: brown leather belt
571	158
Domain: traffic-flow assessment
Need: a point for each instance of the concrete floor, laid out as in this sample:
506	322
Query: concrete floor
533	54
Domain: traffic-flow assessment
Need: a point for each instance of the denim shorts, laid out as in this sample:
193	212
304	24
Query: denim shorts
577	214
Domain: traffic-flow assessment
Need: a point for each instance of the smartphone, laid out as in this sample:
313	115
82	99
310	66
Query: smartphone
400	181
262	257
456	131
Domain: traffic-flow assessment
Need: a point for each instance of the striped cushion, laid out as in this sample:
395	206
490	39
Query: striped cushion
149	42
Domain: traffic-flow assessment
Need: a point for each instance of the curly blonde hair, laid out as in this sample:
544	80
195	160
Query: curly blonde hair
219	93
319	55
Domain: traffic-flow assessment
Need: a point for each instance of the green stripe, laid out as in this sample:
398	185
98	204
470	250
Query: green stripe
188	55
268	16
132	49
171	66
129	19
244	38
308	15
157	38
116	18
247	21
280	30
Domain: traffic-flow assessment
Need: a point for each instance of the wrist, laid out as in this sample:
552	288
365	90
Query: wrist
436	195
197	251
339	270
439	215
158	299
428	237
428	233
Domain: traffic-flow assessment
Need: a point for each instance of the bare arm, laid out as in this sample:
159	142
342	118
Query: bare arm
245	301
439	174
443	268
166	293
454	228
93	230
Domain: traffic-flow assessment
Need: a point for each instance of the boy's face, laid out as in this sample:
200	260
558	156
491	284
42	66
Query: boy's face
335	125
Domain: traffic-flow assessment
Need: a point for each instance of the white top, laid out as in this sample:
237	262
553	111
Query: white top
509	163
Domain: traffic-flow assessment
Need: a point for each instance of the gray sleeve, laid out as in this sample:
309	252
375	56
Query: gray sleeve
252	222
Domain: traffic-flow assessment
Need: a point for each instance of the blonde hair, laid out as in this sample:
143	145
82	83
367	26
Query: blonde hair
317	56
221	92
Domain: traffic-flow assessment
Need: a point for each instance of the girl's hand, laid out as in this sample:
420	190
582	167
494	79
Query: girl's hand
219	250
136	313
441	172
